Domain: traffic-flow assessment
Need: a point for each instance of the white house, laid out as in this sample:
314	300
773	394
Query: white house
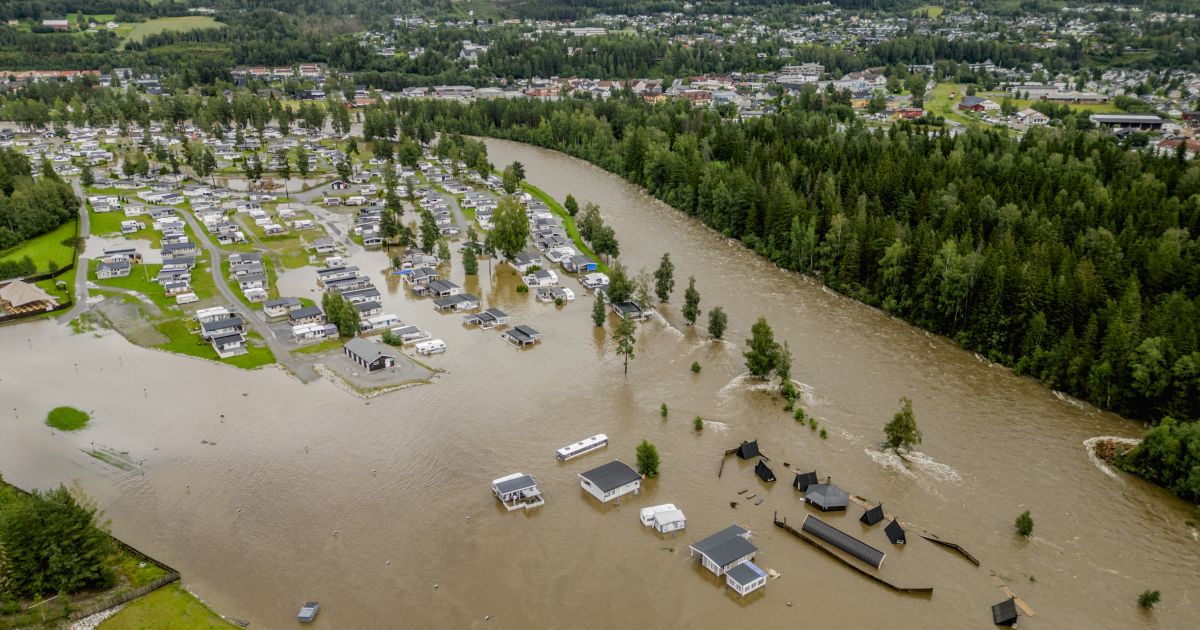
724	550
663	518
517	491
611	481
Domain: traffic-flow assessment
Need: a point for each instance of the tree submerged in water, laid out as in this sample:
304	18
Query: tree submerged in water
1148	599
647	459
1024	524
902	432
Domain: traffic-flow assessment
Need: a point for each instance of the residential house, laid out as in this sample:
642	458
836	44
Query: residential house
373	357
724	550
279	308
611	481
224	326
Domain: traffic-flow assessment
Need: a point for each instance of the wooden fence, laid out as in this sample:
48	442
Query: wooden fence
121	598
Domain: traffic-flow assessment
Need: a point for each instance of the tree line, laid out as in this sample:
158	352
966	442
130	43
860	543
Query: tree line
1061	255
30	207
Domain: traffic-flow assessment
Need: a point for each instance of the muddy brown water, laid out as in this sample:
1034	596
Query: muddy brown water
266	493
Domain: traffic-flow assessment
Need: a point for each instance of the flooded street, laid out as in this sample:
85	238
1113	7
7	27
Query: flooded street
265	493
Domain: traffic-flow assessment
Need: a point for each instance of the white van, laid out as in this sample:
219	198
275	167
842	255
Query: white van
433	346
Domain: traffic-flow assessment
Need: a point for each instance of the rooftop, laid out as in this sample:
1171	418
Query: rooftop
611	476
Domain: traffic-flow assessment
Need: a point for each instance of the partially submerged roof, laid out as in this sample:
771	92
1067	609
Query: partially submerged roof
827	496
748	450
873	515
725	546
895	533
842	540
804	480
764	472
611	476
1005	613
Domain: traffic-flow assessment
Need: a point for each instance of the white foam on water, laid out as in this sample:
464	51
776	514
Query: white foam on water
658	317
716	425
1090	445
914	462
1068	399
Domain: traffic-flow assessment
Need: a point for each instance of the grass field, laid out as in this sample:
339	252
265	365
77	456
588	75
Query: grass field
160	25
169	608
57	246
932	11
939	102
67	418
1091	108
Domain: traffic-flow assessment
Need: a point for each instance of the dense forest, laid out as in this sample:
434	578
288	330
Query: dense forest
1062	254
29	208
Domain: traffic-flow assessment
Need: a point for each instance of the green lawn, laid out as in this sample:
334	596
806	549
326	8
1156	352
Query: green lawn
67	418
140	279
169	608
57	246
104	223
568	221
939	102
185	339
933	11
159	25
1091	108
317	348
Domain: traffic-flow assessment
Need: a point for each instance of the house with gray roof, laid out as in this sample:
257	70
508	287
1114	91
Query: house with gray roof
724	550
611	481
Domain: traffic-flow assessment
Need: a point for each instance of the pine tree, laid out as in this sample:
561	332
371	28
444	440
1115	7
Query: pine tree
598	311
470	263
625	337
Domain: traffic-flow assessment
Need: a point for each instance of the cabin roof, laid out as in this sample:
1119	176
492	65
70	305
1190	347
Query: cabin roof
725	546
895	533
748	450
745	573
611	476
763	471
872	515
515	484
1005	613
827	496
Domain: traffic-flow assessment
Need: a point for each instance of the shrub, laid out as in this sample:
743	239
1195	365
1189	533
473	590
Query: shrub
1024	524
799	414
558	301
67	418
663	410
522	288
812	423
1148	599
824	435
695	367
698	423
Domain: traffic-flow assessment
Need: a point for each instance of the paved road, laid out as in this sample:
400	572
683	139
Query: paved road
81	264
302	369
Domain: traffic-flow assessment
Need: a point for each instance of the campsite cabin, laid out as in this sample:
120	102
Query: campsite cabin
748	450
724	550
872	516
764	472
745	578
1005	613
895	533
522	336
517	491
663	518
371	356
611	481
827	497
804	480
488	319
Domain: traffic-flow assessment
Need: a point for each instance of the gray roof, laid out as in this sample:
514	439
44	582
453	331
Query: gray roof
827	496
283	301
223	339
513	485
369	351
745	573
842	540
220	324
307	311
725	546
611	476
439	286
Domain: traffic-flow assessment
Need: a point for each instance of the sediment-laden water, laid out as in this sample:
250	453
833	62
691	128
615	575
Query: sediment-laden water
266	493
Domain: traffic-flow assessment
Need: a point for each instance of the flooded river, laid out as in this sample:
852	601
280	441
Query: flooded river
266	493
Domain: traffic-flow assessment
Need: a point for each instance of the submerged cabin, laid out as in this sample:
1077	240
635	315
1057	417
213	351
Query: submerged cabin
895	533
748	450
745	578
308	612
611	481
804	480
840	539
724	550
521	336
1005	613
764	472
872	516
517	491
827	497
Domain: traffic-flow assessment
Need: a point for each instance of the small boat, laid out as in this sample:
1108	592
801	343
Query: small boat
583	446
308	612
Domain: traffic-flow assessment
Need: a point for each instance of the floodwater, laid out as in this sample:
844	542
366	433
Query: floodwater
266	493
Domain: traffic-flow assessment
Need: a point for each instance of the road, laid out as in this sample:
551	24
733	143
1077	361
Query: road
302	369
81	264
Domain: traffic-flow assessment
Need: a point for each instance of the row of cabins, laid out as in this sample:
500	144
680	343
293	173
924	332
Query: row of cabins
224	330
